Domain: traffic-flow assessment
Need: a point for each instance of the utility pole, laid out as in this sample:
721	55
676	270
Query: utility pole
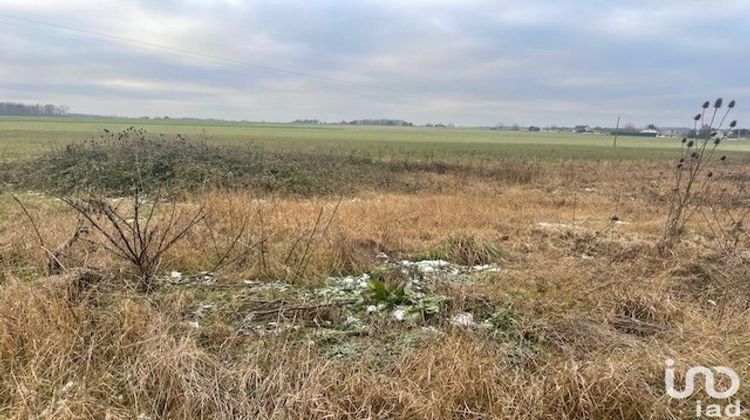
617	128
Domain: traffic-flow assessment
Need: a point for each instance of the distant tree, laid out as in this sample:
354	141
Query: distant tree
8	108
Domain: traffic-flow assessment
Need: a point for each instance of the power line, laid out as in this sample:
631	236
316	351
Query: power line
180	52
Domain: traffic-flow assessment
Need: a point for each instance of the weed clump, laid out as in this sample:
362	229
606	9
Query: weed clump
465	249
693	172
115	161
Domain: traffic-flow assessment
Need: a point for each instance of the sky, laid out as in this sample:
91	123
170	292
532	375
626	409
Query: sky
467	62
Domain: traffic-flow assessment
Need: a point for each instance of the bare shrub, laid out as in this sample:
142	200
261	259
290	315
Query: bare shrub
694	171
135	233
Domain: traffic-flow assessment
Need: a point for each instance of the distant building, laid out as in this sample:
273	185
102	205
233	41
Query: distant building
582	129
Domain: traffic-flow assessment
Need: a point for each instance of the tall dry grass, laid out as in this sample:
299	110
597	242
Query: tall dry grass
595	311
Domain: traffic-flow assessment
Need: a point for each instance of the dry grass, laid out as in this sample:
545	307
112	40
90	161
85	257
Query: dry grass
589	311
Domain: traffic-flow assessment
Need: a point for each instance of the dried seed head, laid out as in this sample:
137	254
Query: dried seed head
733	124
682	160
706	104
710	174
731	104
697	117
723	158
690	143
717	141
684	139
679	165
694	155
714	133
718	103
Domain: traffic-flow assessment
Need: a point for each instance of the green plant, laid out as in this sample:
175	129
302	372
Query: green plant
382	293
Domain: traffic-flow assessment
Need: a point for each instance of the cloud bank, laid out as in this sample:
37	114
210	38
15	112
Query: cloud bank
471	62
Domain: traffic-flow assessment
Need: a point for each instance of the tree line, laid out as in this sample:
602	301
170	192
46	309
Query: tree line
46	110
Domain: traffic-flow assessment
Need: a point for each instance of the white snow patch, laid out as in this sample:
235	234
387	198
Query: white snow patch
549	225
464	319
426	266
487	268
274	285
399	314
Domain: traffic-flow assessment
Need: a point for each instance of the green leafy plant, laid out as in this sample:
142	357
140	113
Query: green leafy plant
383	293
417	306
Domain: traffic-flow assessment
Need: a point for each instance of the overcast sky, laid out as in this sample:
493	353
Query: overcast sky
470	62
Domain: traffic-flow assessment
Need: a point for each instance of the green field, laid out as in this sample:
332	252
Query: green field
24	137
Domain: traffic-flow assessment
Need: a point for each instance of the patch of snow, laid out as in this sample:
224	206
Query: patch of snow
487	268
273	285
175	275
399	314
372	309
464	319
352	282
549	225
426	266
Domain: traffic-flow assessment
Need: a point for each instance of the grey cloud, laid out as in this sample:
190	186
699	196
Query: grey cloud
471	62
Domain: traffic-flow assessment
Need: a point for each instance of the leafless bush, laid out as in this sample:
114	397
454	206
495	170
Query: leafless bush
135	233
694	171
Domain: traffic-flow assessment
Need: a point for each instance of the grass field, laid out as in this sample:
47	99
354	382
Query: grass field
30	136
359	272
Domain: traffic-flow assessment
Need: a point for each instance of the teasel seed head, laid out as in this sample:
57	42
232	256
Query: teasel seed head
718	103
723	158
733	124
731	104
690	143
